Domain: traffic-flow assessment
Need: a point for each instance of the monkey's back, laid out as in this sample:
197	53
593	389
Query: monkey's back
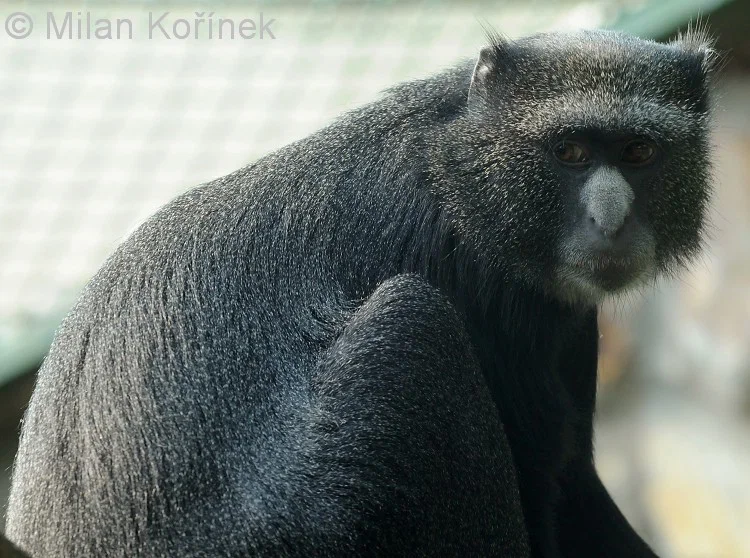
175	386
153	394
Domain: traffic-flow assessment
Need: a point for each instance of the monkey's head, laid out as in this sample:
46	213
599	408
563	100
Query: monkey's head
581	165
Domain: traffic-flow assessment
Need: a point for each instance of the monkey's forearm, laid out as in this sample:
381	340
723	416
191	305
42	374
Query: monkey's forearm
589	522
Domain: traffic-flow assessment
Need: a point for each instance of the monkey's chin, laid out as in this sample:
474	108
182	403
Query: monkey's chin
589	284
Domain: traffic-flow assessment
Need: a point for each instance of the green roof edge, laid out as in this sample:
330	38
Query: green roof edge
661	18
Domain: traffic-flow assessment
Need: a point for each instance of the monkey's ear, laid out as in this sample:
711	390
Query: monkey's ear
698	42
487	69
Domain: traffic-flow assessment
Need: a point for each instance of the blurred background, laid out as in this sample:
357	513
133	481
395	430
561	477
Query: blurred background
96	133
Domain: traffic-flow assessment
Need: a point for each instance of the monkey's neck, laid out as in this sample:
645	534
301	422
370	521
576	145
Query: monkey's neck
488	297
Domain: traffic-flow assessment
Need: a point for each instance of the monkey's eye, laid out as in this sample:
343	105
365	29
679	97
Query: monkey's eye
571	153
638	152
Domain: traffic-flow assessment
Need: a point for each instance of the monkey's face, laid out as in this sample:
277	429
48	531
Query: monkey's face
589	169
606	241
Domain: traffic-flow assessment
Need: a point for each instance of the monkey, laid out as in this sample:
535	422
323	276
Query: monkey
381	339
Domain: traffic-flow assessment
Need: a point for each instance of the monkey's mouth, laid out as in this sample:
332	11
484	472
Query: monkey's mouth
592	273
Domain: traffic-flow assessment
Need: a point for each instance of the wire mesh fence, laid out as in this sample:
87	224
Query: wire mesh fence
109	110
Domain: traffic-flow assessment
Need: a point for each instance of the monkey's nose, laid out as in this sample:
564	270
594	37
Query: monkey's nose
610	237
609	228
607	199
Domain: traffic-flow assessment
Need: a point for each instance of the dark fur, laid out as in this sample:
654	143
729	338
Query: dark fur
8	550
328	352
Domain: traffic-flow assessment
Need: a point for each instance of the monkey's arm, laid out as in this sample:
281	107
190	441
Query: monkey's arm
405	421
589	522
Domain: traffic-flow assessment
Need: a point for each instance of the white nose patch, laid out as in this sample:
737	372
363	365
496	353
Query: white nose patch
607	198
